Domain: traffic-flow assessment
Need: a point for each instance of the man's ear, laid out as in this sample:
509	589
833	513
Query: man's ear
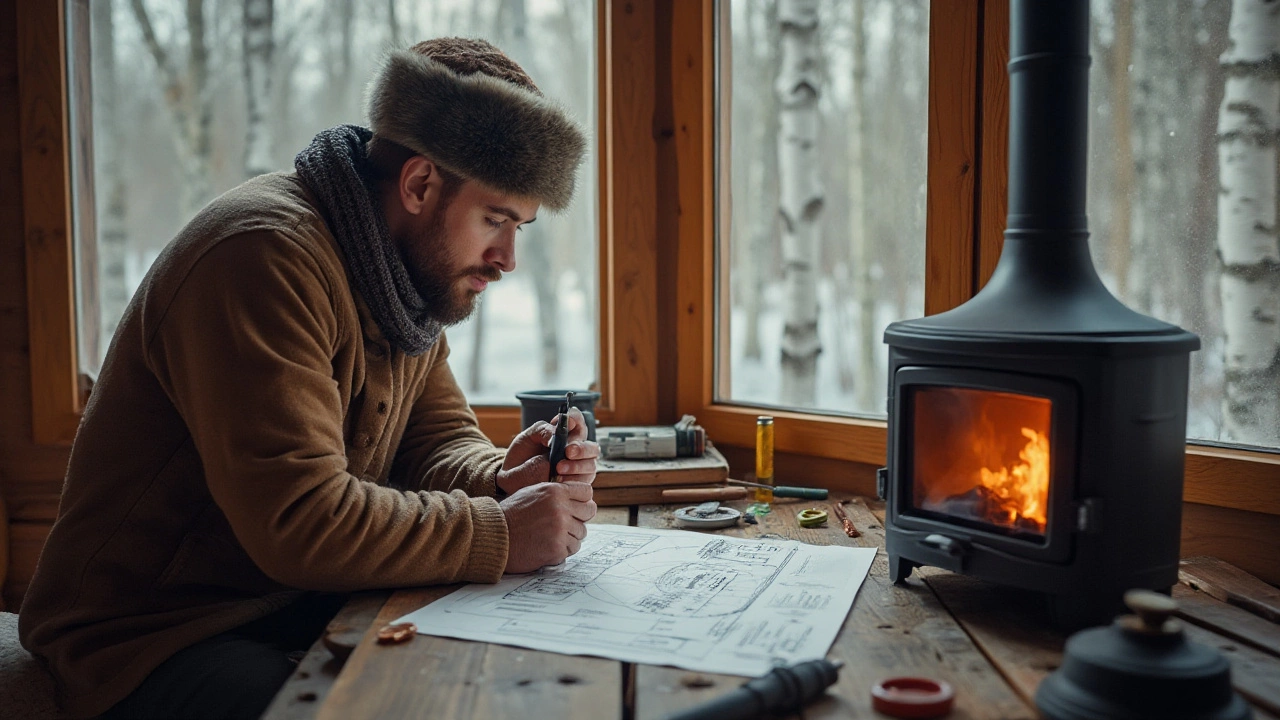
419	185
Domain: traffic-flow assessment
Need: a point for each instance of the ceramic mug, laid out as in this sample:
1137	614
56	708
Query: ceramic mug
538	405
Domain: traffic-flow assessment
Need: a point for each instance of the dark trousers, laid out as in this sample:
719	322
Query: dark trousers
235	674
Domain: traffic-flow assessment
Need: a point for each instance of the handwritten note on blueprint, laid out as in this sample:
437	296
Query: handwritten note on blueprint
703	602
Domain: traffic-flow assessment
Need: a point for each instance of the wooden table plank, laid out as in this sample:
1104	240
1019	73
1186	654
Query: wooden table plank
462	679
1231	585
1009	626
1228	620
1255	674
892	630
906	630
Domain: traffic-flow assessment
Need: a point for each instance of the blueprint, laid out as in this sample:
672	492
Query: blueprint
699	601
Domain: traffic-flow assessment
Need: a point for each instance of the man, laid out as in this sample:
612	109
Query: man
276	423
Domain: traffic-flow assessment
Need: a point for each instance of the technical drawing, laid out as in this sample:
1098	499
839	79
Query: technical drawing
704	602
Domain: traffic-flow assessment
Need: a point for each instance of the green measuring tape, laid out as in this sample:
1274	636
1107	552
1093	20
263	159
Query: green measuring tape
812	517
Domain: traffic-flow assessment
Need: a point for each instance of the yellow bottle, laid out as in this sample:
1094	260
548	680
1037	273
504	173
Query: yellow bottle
764	458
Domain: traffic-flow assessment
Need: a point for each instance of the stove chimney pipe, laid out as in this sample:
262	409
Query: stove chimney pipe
1048	118
1045	282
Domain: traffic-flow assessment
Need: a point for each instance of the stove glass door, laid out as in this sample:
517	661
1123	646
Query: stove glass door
982	458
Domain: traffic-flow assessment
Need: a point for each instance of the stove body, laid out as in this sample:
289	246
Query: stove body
1037	432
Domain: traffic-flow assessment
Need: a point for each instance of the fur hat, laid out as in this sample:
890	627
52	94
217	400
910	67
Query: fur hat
476	113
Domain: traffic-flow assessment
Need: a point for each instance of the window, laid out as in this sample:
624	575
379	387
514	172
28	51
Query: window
1182	195
184	100
822	242
658	196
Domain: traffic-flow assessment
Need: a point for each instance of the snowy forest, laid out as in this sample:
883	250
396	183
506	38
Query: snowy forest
189	98
826	170
828	176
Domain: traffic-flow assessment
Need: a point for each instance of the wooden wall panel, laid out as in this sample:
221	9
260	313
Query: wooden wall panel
954	53
46	221
630	281
993	137
1248	540
30	475
693	103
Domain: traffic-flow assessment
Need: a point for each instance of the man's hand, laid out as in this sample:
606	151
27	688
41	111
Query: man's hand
526	462
546	523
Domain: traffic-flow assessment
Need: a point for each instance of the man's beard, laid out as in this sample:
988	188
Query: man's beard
428	259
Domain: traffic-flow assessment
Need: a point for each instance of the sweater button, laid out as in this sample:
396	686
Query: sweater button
382	407
375	350
364	441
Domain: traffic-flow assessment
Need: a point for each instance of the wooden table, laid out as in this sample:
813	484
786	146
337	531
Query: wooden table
992	644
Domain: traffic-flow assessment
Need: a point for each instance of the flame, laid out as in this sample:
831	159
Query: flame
1023	489
982	455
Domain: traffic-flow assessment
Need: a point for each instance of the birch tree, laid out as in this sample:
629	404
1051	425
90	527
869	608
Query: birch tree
187	95
1248	130
866	382
113	239
798	87
259	46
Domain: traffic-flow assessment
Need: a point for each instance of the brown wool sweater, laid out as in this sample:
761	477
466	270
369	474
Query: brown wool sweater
248	439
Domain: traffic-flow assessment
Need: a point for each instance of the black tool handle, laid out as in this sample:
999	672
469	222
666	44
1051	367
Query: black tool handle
782	689
559	440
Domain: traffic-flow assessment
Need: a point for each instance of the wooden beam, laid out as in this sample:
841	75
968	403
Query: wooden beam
954	52
693	104
55	392
629	208
993	171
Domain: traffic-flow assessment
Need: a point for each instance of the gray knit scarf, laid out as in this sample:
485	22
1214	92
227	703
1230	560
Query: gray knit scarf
335	166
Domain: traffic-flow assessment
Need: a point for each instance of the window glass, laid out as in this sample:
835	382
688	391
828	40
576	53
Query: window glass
1182	193
176	101
823	155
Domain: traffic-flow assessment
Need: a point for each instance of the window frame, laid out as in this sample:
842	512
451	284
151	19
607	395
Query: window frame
656	96
59	390
966	208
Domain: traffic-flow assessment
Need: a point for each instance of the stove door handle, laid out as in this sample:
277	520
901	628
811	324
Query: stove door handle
950	546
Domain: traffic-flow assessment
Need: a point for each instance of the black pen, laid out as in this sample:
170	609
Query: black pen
561	437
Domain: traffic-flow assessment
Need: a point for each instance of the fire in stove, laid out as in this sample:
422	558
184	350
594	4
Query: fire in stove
983	457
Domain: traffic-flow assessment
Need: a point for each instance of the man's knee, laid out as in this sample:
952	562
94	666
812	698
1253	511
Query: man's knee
226	676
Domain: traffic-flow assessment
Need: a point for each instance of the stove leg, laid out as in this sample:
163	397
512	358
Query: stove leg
900	568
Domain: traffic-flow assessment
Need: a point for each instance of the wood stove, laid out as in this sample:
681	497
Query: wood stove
1037	432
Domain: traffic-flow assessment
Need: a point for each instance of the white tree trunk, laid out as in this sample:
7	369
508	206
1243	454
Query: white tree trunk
867	382
258	50
1248	129
798	87
112	239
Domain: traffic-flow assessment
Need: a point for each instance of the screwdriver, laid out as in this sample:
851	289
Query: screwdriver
560	440
786	491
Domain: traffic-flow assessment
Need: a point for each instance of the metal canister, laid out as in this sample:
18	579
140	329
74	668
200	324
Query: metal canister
764	458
